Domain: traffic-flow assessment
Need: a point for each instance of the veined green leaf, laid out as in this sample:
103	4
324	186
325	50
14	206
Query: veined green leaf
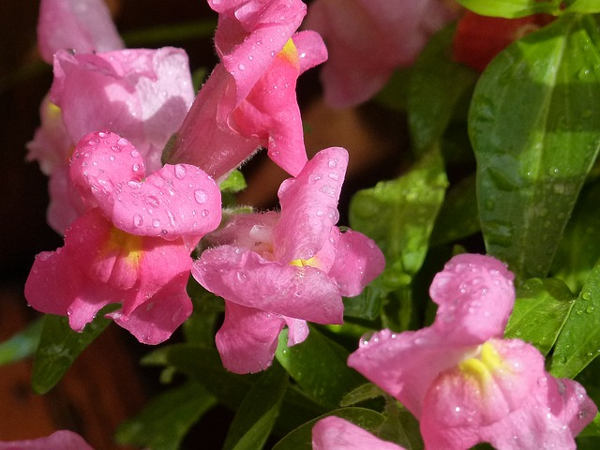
436	85
534	125
579	342
319	367
541	309
60	346
512	8
22	344
256	415
164	421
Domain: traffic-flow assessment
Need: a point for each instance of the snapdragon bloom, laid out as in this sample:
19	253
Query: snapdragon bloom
131	246
283	268
464	382
60	440
334	433
249	100
143	95
81	25
368	39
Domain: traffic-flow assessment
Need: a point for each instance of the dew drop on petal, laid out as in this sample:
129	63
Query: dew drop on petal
135	167
332	163
180	171
138	220
122	141
204	212
156	223
200	196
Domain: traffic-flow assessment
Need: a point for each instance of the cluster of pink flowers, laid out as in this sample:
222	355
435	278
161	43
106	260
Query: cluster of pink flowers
130	223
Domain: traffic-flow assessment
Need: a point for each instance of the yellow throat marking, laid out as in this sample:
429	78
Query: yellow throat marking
482	367
312	262
290	52
126	245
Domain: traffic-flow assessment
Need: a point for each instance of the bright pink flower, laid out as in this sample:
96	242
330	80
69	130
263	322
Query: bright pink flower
368	39
462	381
142	95
60	440
132	245
81	25
249	100
284	268
334	433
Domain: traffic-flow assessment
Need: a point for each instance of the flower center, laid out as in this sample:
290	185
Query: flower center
312	262
290	52
482	366
128	245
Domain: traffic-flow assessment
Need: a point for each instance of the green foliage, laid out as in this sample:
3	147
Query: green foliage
60	346
579	342
22	344
258	411
541	309
520	8
319	367
167	418
534	125
437	84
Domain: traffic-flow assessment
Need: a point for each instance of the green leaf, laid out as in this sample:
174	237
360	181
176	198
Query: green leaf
203	364
319	367
256	416
579	342
164	421
399	215
534	125
198	77
301	437
437	83
582	6
367	391
540	311
459	216
512	8
366	305
394	94
22	344
579	248
234	182
60	346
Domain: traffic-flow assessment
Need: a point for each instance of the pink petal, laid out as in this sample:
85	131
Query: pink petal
244	277
174	201
569	402
82	25
246	231
334	433
476	291
311	49
59	440
153	321
247	340
51	145
143	95
298	330
358	261
65	202
309	206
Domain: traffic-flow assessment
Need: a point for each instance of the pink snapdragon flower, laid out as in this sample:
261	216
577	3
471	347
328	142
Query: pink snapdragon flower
131	246
464	382
368	39
249	101
143	95
334	433
283	268
81	25
60	440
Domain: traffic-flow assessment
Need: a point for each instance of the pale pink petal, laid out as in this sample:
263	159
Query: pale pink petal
298	330
51	145
334	433
153	321
65	202
59	440
311	49
81	25
358	261
246	231
569	402
143	95
173	201
309	205
247	340
245	278
475	291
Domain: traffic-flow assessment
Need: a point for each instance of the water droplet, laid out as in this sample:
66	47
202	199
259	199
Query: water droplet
122	141
242	67
204	212
111	157
136	167
156	223
200	196
153	201
138	220
116	148
241	276
328	190
180	171
334	176
332	163
134	184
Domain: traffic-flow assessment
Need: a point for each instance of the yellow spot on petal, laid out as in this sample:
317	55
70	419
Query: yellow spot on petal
53	110
126	245
483	366
312	262
290	52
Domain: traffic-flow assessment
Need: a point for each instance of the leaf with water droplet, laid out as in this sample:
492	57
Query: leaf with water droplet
533	158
